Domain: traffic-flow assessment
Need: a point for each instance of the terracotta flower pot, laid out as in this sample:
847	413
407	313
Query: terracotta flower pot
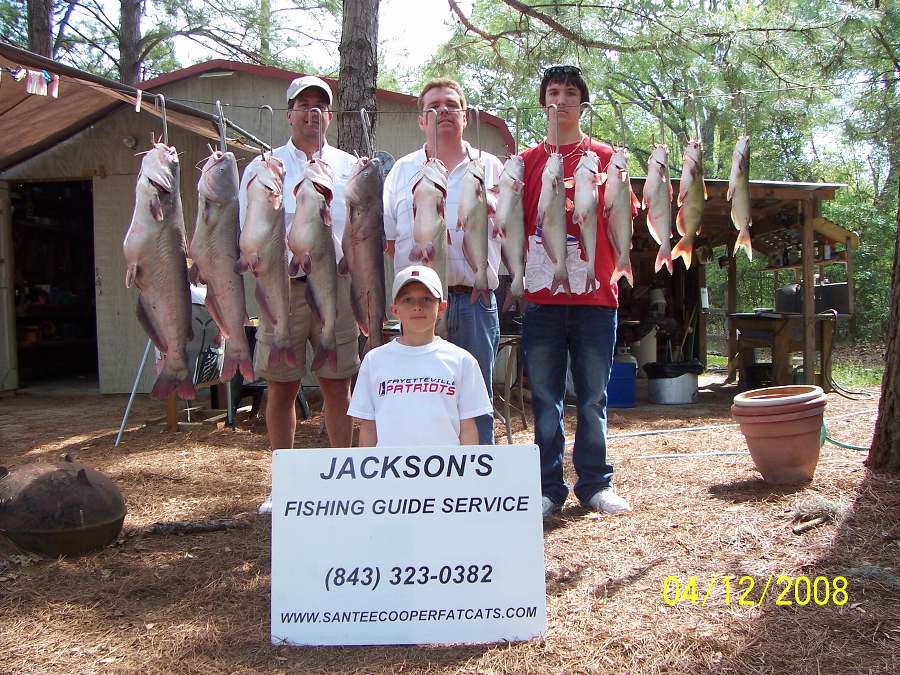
786	395
783	440
777	409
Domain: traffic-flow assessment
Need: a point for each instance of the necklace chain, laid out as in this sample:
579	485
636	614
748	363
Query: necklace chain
571	152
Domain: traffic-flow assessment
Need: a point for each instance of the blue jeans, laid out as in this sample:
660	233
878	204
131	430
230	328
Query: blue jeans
476	328
551	333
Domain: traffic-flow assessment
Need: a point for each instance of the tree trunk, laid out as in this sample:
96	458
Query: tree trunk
884	455
130	41
358	73
265	30
39	21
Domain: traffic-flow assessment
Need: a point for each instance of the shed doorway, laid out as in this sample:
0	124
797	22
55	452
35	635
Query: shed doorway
53	277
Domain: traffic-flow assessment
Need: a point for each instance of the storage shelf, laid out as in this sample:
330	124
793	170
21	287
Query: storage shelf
839	258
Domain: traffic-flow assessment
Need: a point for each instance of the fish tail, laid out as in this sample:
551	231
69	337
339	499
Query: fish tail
561	279
663	258
590	284
166	384
324	355
418	253
279	353
622	271
743	241
684	249
229	368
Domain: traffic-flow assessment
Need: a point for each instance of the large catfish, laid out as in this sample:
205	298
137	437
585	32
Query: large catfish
657	200
264	253
155	254
363	246
510	225
619	205
691	200
552	220
215	252
739	194
587	202
311	240
430	234
473	220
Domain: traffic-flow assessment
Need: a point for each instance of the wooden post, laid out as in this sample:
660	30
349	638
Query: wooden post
731	308
807	255
9	354
850	293
701	320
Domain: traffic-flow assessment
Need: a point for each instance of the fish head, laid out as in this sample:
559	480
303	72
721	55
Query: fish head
475	167
742	148
320	174
694	150
270	177
589	162
219	177
514	169
435	172
159	168
553	170
365	182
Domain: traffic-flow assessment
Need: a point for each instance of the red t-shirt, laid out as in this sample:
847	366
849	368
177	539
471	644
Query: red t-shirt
535	157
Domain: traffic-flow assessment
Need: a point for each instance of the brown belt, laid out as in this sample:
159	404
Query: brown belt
460	289
303	278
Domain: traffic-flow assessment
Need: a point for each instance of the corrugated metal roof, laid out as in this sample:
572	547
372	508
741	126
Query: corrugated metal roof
29	123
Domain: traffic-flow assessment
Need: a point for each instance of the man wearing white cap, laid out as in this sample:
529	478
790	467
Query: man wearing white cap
418	390
307	137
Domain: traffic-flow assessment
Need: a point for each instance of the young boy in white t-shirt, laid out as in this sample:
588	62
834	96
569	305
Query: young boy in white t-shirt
418	389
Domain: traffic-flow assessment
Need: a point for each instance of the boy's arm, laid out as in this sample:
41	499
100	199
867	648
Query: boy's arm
368	436
468	432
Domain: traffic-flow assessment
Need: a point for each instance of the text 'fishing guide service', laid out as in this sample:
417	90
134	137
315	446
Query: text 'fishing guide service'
432	545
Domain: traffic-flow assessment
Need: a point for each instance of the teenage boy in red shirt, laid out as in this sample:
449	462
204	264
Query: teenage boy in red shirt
560	326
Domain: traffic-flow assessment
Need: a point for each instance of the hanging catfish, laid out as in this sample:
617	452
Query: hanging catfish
739	194
691	200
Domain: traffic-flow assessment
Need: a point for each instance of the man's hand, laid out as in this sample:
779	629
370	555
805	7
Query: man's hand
389	247
468	432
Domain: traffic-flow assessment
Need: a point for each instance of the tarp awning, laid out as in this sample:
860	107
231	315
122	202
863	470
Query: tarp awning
30	123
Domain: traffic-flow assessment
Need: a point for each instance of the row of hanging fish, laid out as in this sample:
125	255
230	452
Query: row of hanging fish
156	256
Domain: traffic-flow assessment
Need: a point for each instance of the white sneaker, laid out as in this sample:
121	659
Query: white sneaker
549	507
607	501
266	506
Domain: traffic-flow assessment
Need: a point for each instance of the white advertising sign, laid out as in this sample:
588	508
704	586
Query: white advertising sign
376	546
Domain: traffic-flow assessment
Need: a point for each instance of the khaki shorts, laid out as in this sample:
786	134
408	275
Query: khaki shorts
303	328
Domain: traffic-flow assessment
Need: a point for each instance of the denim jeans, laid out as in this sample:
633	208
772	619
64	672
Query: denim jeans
551	334
476	328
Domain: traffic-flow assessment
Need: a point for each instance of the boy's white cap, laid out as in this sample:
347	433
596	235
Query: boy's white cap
302	83
424	275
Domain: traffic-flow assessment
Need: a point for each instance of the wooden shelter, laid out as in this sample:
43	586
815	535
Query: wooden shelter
785	215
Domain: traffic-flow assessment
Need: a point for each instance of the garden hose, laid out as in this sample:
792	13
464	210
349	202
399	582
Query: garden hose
823	436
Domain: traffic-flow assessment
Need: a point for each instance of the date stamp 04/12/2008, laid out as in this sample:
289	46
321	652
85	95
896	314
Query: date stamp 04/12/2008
750	591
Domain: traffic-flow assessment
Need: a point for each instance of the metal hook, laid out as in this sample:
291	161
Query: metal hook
586	105
506	112
556	110
222	142
433	110
160	101
621	116
693	100
271	121
319	136
478	129
662	126
367	130
743	95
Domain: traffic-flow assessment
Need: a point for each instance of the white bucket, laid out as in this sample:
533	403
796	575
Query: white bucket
673	390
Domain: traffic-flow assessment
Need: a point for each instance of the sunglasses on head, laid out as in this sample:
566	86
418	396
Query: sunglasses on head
554	71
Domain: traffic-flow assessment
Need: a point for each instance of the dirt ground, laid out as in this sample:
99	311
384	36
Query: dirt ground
200	603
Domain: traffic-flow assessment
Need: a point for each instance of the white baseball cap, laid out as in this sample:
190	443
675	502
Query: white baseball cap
302	83
424	275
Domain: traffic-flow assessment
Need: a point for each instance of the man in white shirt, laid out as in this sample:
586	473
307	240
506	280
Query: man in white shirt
473	326
307	138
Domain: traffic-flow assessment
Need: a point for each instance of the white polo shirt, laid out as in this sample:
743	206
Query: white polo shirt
295	161
398	215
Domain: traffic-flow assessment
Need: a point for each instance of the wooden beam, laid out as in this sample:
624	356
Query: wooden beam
850	293
807	254
701	321
731	308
